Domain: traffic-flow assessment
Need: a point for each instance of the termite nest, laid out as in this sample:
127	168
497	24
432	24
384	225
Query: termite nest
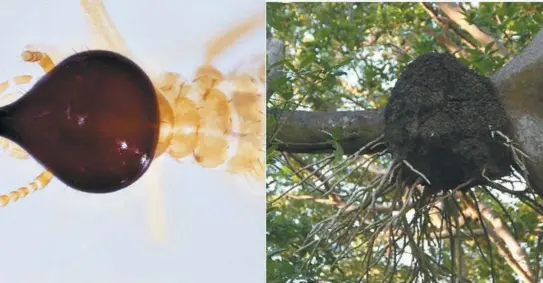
444	120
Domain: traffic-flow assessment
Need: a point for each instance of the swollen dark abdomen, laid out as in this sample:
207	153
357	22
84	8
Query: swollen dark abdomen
93	121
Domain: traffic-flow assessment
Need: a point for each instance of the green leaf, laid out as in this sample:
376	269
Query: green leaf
290	66
343	63
271	123
489	47
338	52
307	59
278	63
337	133
286	95
338	151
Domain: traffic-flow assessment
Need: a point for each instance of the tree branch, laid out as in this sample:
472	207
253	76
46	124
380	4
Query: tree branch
445	40
455	14
308	132
445	24
519	85
502	238
311	171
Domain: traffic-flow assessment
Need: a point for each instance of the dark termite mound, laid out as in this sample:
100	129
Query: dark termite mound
440	119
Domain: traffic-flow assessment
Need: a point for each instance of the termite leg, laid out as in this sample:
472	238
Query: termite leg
103	31
16	151
30	54
18	80
216	46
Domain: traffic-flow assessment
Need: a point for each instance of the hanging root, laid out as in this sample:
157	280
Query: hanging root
518	155
416	171
444	128
380	217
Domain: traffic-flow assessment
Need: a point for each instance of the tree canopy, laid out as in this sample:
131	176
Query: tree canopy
331	217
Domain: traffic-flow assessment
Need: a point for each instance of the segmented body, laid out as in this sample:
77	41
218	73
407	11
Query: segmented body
219	121
216	119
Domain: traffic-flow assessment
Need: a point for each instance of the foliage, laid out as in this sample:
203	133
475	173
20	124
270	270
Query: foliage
347	56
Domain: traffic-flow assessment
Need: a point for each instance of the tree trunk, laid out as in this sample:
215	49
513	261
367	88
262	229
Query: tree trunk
519	84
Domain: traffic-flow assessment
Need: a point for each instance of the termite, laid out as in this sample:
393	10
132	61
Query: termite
216	118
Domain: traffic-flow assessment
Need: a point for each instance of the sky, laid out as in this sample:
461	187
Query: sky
215	222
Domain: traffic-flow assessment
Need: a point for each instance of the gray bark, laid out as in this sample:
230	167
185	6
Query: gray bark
308	132
520	85
275	49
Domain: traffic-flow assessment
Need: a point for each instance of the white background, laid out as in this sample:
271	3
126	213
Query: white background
215	222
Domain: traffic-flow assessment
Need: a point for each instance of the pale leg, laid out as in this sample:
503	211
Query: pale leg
208	76
103	31
217	46
29	55
155	203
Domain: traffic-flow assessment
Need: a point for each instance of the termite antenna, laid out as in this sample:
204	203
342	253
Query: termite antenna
39	183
